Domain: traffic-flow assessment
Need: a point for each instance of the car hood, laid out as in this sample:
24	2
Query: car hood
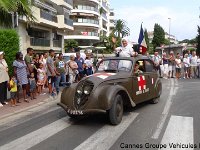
100	77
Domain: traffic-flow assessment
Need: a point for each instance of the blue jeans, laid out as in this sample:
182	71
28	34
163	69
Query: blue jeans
89	71
61	78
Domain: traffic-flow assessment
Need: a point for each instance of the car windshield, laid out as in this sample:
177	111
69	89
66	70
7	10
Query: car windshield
113	65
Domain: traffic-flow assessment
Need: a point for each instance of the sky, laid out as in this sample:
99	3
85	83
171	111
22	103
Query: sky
184	16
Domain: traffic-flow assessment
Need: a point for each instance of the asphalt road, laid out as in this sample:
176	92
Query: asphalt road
173	123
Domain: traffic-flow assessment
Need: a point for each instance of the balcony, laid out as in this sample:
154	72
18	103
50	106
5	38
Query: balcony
68	22
92	21
83	35
69	2
57	43
65	3
104	17
86	22
39	42
86	9
48	16
65	23
104	4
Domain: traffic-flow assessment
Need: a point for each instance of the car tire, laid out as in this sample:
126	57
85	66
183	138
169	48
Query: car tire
155	100
116	111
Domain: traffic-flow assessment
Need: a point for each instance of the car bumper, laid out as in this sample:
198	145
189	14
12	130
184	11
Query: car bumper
81	112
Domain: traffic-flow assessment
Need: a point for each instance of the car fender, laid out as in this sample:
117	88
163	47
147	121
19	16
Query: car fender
65	98
107	94
158	85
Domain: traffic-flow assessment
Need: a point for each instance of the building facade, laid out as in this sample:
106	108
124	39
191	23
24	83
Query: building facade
171	37
91	20
50	25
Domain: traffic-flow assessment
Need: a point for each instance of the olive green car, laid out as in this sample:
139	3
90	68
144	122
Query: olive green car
118	82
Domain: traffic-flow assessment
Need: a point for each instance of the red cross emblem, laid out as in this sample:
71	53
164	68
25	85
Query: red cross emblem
103	75
141	83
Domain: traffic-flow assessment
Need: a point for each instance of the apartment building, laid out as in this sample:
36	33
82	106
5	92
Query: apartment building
172	38
49	27
91	19
111	20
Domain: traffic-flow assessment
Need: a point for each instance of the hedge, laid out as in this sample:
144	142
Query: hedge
9	44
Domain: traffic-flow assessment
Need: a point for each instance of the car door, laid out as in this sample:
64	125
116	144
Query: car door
152	76
140	83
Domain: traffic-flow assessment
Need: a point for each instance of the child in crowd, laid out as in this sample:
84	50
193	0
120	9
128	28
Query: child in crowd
41	78
13	91
32	83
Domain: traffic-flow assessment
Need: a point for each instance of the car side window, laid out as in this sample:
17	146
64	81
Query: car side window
140	67
149	67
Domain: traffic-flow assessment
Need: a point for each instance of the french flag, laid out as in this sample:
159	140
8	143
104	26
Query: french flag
142	42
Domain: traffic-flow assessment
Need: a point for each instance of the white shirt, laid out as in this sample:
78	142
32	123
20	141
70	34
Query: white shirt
3	71
186	62
88	62
83	55
193	61
178	63
125	51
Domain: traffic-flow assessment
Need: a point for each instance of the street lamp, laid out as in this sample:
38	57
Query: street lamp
169	32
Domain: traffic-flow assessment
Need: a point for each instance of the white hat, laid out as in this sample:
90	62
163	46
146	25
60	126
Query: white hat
1	53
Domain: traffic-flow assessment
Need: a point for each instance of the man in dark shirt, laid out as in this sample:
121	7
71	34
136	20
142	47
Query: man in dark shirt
60	72
80	62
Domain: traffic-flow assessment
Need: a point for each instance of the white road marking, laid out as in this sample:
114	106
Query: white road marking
165	111
179	130
37	136
17	120
105	137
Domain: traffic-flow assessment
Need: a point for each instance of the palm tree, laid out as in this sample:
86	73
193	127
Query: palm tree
121	28
9	7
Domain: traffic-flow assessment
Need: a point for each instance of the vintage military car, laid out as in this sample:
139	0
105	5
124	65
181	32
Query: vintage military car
118	82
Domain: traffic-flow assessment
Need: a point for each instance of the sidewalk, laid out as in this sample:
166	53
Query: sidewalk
7	110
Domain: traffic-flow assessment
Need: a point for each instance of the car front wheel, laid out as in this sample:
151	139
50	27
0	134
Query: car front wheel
116	111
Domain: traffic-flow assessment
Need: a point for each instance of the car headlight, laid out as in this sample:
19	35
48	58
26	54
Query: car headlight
79	90
87	89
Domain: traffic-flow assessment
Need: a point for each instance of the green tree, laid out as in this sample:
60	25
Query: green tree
146	39
120	28
198	41
192	41
7	7
158	36
167	42
9	44
69	44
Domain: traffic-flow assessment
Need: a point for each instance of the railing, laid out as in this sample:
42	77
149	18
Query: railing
104	16
48	16
69	22
104	4
57	43
39	42
86	7
92	21
105	27
85	33
69	2
90	33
